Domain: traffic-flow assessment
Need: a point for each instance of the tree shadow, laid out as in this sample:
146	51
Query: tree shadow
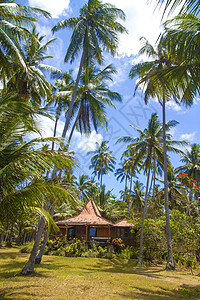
183	291
128	267
9	293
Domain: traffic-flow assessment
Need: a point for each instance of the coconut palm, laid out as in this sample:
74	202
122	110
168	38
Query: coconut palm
14	21
150	145
84	184
102	162
181	39
191	163
123	174
137	202
23	185
33	85
131	164
93	95
95	30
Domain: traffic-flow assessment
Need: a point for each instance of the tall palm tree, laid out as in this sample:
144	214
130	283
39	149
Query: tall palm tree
149	145
94	31
102	162
13	28
93	95
33	85
22	164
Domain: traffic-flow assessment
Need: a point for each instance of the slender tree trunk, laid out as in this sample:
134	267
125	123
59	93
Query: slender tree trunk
125	187
154	184
74	126
29	267
140	261
56	123
101	179
129	197
66	126
41	253
170	260
2	236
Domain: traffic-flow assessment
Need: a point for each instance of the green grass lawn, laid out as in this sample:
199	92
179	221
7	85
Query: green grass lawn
91	278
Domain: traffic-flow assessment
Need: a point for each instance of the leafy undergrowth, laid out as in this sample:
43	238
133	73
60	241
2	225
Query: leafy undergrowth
91	278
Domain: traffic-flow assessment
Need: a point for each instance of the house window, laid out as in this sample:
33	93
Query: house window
93	232
71	233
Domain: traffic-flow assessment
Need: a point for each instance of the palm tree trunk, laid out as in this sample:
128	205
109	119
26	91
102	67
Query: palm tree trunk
125	186
140	261
66	126
56	122
2	236
170	260
129	197
74	126
41	253
101	180
154	183
29	267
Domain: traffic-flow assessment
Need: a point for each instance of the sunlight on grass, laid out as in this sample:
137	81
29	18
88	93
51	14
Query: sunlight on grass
91	278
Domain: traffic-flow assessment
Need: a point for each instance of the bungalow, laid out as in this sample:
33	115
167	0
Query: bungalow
90	225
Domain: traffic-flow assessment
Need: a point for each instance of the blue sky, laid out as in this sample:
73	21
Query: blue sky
141	21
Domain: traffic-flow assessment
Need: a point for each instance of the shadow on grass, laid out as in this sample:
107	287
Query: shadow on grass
10	293
126	267
184	291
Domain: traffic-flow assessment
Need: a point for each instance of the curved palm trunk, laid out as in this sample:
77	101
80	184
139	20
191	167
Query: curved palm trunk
140	261
170	260
29	267
41	253
66	126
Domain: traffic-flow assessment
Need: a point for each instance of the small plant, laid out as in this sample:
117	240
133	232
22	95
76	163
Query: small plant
118	244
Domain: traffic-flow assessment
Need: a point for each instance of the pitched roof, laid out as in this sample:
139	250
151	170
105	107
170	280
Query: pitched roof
90	215
123	223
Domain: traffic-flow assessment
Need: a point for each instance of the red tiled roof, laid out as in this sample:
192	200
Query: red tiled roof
123	223
89	215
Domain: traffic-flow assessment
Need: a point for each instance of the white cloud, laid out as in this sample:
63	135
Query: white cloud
55	8
88	143
141	20
172	105
188	136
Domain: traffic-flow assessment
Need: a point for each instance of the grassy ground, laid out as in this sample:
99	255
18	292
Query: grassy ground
91	278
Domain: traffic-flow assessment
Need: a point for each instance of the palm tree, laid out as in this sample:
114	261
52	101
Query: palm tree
191	163
84	184
93	95
102	162
131	164
150	145
22	180
95	30
138	197
181	39
13	28
32	85
123	174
